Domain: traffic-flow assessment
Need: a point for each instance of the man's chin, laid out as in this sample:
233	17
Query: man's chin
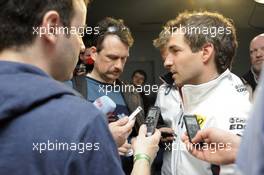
179	85
114	76
257	69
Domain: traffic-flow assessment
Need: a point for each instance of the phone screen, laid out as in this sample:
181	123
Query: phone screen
192	125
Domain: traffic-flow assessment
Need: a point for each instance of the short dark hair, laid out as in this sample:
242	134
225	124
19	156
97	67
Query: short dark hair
225	43
111	26
18	17
141	72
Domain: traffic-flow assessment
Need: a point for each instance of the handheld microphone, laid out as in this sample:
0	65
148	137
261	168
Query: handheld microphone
105	104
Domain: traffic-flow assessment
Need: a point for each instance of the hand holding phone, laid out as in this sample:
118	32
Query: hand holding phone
152	119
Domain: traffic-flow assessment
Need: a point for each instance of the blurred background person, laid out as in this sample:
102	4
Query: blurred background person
256	50
139	77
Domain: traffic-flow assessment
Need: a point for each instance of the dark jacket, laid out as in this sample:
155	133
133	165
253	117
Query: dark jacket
132	98
249	79
38	115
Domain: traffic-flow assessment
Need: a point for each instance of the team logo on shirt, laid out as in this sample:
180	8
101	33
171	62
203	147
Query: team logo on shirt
241	88
201	120
236	123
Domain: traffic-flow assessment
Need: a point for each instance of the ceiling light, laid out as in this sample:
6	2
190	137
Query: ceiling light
259	1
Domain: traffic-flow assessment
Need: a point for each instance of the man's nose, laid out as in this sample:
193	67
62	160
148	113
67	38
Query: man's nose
259	53
168	62
119	64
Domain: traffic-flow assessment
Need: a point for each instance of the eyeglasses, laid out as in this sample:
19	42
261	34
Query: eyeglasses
115	30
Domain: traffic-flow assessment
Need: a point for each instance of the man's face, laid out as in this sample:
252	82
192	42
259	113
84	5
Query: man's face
179	59
110	61
257	53
69	47
138	79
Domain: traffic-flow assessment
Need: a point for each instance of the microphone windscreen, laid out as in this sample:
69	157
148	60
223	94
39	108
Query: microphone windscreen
105	104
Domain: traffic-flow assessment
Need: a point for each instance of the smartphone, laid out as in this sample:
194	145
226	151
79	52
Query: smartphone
152	119
192	125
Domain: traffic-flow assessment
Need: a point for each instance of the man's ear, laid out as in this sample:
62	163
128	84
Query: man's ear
50	23
93	52
207	52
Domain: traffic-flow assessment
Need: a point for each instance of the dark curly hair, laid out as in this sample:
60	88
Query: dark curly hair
111	26
223	38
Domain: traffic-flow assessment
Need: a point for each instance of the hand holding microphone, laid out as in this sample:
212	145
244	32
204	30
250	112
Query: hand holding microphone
105	104
119	129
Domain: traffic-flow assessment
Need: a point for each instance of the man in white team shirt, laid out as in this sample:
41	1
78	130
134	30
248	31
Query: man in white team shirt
198	49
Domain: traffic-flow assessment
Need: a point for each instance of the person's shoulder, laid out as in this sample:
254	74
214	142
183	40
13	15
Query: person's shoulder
236	78
87	124
73	109
74	116
238	85
76	103
232	84
233	91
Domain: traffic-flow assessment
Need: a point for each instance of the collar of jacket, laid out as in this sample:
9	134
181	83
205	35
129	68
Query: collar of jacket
193	94
254	75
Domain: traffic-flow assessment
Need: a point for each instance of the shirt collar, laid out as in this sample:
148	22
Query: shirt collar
193	94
